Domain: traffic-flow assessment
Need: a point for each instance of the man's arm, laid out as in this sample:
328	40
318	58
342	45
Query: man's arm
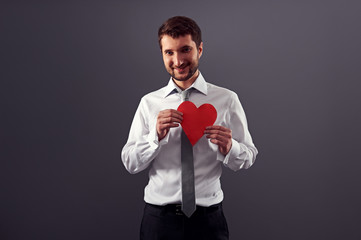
144	141
236	145
167	119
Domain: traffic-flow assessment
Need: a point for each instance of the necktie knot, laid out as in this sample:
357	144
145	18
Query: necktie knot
185	95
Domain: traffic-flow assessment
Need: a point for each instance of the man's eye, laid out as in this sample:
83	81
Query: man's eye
186	49
168	53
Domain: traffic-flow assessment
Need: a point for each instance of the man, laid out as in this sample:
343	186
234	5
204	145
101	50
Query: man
156	140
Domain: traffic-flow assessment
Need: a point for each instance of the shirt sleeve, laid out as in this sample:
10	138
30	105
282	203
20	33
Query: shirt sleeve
142	145
243	151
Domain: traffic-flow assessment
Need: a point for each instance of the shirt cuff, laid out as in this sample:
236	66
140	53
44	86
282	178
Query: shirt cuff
232	154
153	139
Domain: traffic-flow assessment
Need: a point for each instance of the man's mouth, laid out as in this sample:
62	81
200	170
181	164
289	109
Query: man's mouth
181	69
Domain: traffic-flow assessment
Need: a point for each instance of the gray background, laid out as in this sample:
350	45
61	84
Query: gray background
73	72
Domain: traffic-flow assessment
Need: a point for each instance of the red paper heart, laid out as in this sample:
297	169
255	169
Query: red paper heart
195	120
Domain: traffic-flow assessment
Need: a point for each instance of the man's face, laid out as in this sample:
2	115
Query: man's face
181	56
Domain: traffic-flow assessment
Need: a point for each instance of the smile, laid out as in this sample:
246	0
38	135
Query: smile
180	69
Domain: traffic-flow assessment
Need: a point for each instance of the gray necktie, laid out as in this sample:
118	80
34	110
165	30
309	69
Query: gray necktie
188	195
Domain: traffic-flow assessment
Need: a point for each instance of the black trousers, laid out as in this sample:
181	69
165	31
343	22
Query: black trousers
169	223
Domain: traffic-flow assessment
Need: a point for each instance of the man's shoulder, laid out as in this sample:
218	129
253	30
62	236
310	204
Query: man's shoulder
156	94
215	89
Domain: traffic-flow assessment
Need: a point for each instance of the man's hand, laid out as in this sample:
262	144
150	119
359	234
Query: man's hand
167	119
221	136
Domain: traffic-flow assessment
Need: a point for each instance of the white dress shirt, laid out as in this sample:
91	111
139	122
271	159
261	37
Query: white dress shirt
164	157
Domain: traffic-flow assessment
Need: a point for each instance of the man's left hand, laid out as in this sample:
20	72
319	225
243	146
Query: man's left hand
221	136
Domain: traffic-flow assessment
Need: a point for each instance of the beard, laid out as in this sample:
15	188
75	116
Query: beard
192	70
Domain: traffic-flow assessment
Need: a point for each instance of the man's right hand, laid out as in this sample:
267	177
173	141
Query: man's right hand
167	119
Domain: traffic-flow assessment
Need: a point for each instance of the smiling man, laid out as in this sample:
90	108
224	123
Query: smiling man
181	57
183	198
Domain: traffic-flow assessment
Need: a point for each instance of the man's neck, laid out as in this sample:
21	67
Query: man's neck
186	84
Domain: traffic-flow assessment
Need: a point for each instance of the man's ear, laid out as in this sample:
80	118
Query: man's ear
200	49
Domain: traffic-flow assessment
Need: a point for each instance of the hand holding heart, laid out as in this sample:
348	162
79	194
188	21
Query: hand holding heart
221	136
167	119
197	122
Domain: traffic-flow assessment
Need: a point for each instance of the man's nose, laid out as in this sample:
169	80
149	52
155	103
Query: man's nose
178	60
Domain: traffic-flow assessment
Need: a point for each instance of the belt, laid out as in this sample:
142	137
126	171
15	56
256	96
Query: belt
177	209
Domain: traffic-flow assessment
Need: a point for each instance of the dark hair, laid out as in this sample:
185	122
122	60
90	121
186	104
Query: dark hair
180	26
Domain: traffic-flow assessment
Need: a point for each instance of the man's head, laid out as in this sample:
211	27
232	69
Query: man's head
180	26
181	44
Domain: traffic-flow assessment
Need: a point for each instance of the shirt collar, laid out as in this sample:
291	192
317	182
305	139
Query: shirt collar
199	84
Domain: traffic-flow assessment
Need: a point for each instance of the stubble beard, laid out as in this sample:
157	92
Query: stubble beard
192	70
